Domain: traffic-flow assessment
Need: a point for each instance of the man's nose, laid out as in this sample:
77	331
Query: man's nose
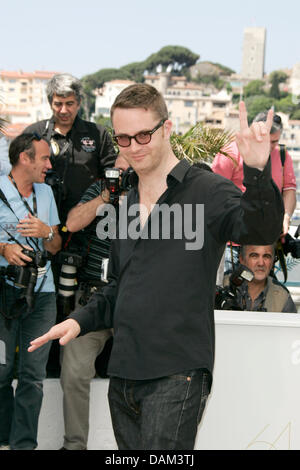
63	108
135	146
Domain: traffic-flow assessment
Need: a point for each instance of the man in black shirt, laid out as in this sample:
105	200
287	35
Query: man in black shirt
80	149
162	272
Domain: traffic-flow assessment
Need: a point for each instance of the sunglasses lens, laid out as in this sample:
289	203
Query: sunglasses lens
123	140
143	138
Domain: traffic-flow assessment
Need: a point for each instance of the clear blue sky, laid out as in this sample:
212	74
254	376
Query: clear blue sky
83	36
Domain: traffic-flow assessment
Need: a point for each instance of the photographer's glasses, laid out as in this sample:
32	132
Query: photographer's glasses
30	137
142	138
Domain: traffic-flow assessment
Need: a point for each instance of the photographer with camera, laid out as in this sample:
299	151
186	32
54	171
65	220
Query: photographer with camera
78	364
283	176
28	232
80	150
262	293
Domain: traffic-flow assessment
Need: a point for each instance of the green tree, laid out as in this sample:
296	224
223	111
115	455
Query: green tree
179	57
295	114
286	105
256	104
275	79
254	88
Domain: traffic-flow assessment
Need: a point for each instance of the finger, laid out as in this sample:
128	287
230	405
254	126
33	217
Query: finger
243	116
256	130
38	342
269	121
66	338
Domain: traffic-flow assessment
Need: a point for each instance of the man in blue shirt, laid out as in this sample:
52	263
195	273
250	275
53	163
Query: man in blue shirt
28	218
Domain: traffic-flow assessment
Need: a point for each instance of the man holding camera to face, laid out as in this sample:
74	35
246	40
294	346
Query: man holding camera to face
28	233
261	292
80	151
78	363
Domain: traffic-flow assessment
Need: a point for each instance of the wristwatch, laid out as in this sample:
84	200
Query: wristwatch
50	236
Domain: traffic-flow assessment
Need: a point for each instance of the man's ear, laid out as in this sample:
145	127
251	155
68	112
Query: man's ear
168	128
24	158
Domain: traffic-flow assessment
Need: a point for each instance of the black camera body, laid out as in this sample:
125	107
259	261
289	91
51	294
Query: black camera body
26	276
116	182
52	178
291	245
225	298
38	258
69	258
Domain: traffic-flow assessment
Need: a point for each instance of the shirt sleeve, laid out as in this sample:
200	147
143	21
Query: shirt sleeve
289	306
223	166
253	217
107	151
289	179
93	191
98	312
53	213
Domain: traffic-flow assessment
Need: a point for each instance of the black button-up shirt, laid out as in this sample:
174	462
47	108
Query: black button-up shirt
90	150
160	300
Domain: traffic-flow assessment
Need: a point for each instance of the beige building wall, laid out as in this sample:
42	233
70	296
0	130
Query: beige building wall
23	96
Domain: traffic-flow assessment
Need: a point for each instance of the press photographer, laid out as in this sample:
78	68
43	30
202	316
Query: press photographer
262	293
28	230
80	150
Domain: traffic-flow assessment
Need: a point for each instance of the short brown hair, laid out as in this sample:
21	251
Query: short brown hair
141	95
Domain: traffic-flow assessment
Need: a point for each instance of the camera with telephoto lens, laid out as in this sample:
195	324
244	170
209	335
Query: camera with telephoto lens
26	276
225	298
116	182
67	284
292	245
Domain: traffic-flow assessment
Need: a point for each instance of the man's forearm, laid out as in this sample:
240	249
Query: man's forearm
289	201
54	245
83	214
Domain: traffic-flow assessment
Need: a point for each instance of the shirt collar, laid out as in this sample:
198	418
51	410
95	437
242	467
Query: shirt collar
177	173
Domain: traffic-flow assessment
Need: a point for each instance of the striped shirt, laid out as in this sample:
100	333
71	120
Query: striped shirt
97	249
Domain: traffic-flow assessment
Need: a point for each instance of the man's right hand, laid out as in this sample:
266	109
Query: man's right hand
14	255
66	331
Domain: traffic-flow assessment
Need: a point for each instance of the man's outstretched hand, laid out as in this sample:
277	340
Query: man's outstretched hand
254	141
66	331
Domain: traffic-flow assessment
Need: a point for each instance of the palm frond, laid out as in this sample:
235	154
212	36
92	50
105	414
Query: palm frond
2	125
201	143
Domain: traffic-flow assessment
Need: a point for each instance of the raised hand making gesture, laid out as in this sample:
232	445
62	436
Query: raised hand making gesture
254	141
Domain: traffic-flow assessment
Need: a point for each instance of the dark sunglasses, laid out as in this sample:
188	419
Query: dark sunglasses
142	138
29	138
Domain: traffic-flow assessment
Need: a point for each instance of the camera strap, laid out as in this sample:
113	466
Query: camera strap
32	211
5	201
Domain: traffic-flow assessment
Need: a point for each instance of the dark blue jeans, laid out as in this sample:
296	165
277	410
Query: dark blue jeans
19	412
159	414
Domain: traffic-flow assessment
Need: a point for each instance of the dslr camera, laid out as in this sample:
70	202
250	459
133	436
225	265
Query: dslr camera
292	245
116	182
26	276
225	298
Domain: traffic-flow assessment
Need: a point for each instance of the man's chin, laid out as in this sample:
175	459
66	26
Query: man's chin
260	276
